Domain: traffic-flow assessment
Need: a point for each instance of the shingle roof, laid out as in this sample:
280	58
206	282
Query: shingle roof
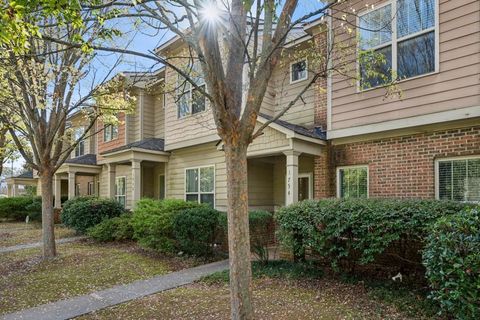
317	132
88	159
25	175
154	144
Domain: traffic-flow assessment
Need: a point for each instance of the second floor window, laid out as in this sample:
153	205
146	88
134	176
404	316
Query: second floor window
110	132
298	71
80	148
398	38
190	100
352	182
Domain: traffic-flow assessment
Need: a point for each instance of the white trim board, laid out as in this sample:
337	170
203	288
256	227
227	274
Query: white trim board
439	117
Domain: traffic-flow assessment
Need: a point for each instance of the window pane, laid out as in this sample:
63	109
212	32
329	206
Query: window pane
191	183
473	181
207	198
114	132
354	183
107	133
376	28
207	179
416	56
299	71
182	105
198	101
414	16
192	197
459	180
445	180
376	67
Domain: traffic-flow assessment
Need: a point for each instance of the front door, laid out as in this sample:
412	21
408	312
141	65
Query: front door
304	187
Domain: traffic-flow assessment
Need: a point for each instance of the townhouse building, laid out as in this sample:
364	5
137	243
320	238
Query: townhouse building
344	138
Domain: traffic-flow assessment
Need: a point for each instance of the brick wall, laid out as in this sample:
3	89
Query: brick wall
401	167
120	141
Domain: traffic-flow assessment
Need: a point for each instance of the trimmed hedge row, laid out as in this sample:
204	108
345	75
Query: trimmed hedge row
18	208
360	231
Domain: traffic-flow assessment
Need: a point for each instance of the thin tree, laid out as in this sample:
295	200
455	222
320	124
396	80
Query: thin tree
45	84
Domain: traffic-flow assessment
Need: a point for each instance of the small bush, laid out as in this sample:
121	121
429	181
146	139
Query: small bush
114	229
359	230
452	260
194	230
152	222
18	208
83	213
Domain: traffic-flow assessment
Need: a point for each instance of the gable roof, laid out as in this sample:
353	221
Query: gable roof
88	159
153	144
25	175
316	132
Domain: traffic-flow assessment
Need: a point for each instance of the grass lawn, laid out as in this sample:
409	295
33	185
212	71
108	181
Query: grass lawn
278	294
13	233
83	267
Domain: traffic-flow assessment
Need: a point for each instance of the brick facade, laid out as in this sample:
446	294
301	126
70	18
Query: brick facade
115	143
399	167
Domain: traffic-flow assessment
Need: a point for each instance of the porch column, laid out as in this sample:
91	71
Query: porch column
111	180
9	190
71	185
136	181
291	183
57	191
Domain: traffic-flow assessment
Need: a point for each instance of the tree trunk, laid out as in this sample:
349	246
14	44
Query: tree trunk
49	250
238	233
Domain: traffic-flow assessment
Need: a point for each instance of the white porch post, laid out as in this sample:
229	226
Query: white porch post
136	181
71	185
111	180
58	191
291	182
14	189
9	190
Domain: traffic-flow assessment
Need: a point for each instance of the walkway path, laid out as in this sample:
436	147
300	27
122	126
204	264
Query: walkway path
74	307
37	244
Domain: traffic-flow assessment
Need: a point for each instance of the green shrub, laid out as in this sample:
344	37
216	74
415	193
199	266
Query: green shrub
452	260
194	230
358	230
85	212
18	208
114	229
152	222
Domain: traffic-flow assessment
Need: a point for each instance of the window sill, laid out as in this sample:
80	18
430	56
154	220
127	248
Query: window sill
193	115
299	80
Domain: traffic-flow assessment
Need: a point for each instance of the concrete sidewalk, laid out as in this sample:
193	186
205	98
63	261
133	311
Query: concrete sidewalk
77	306
38	244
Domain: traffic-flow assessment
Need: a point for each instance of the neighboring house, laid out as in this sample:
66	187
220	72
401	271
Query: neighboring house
351	141
16	185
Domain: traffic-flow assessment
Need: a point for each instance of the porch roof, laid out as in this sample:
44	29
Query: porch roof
152	144
88	159
316	133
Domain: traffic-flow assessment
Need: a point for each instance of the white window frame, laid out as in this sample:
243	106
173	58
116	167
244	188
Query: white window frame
394	42
308	175
437	171
81	143
109	127
199	192
360	166
117	196
291	71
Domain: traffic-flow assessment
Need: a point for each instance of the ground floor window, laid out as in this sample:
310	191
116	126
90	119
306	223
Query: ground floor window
305	189
200	185
352	182
458	179
121	190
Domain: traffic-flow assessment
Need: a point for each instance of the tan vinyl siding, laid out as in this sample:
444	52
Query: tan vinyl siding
260	184
302	112
148	116
455	86
159	125
270	139
197	156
